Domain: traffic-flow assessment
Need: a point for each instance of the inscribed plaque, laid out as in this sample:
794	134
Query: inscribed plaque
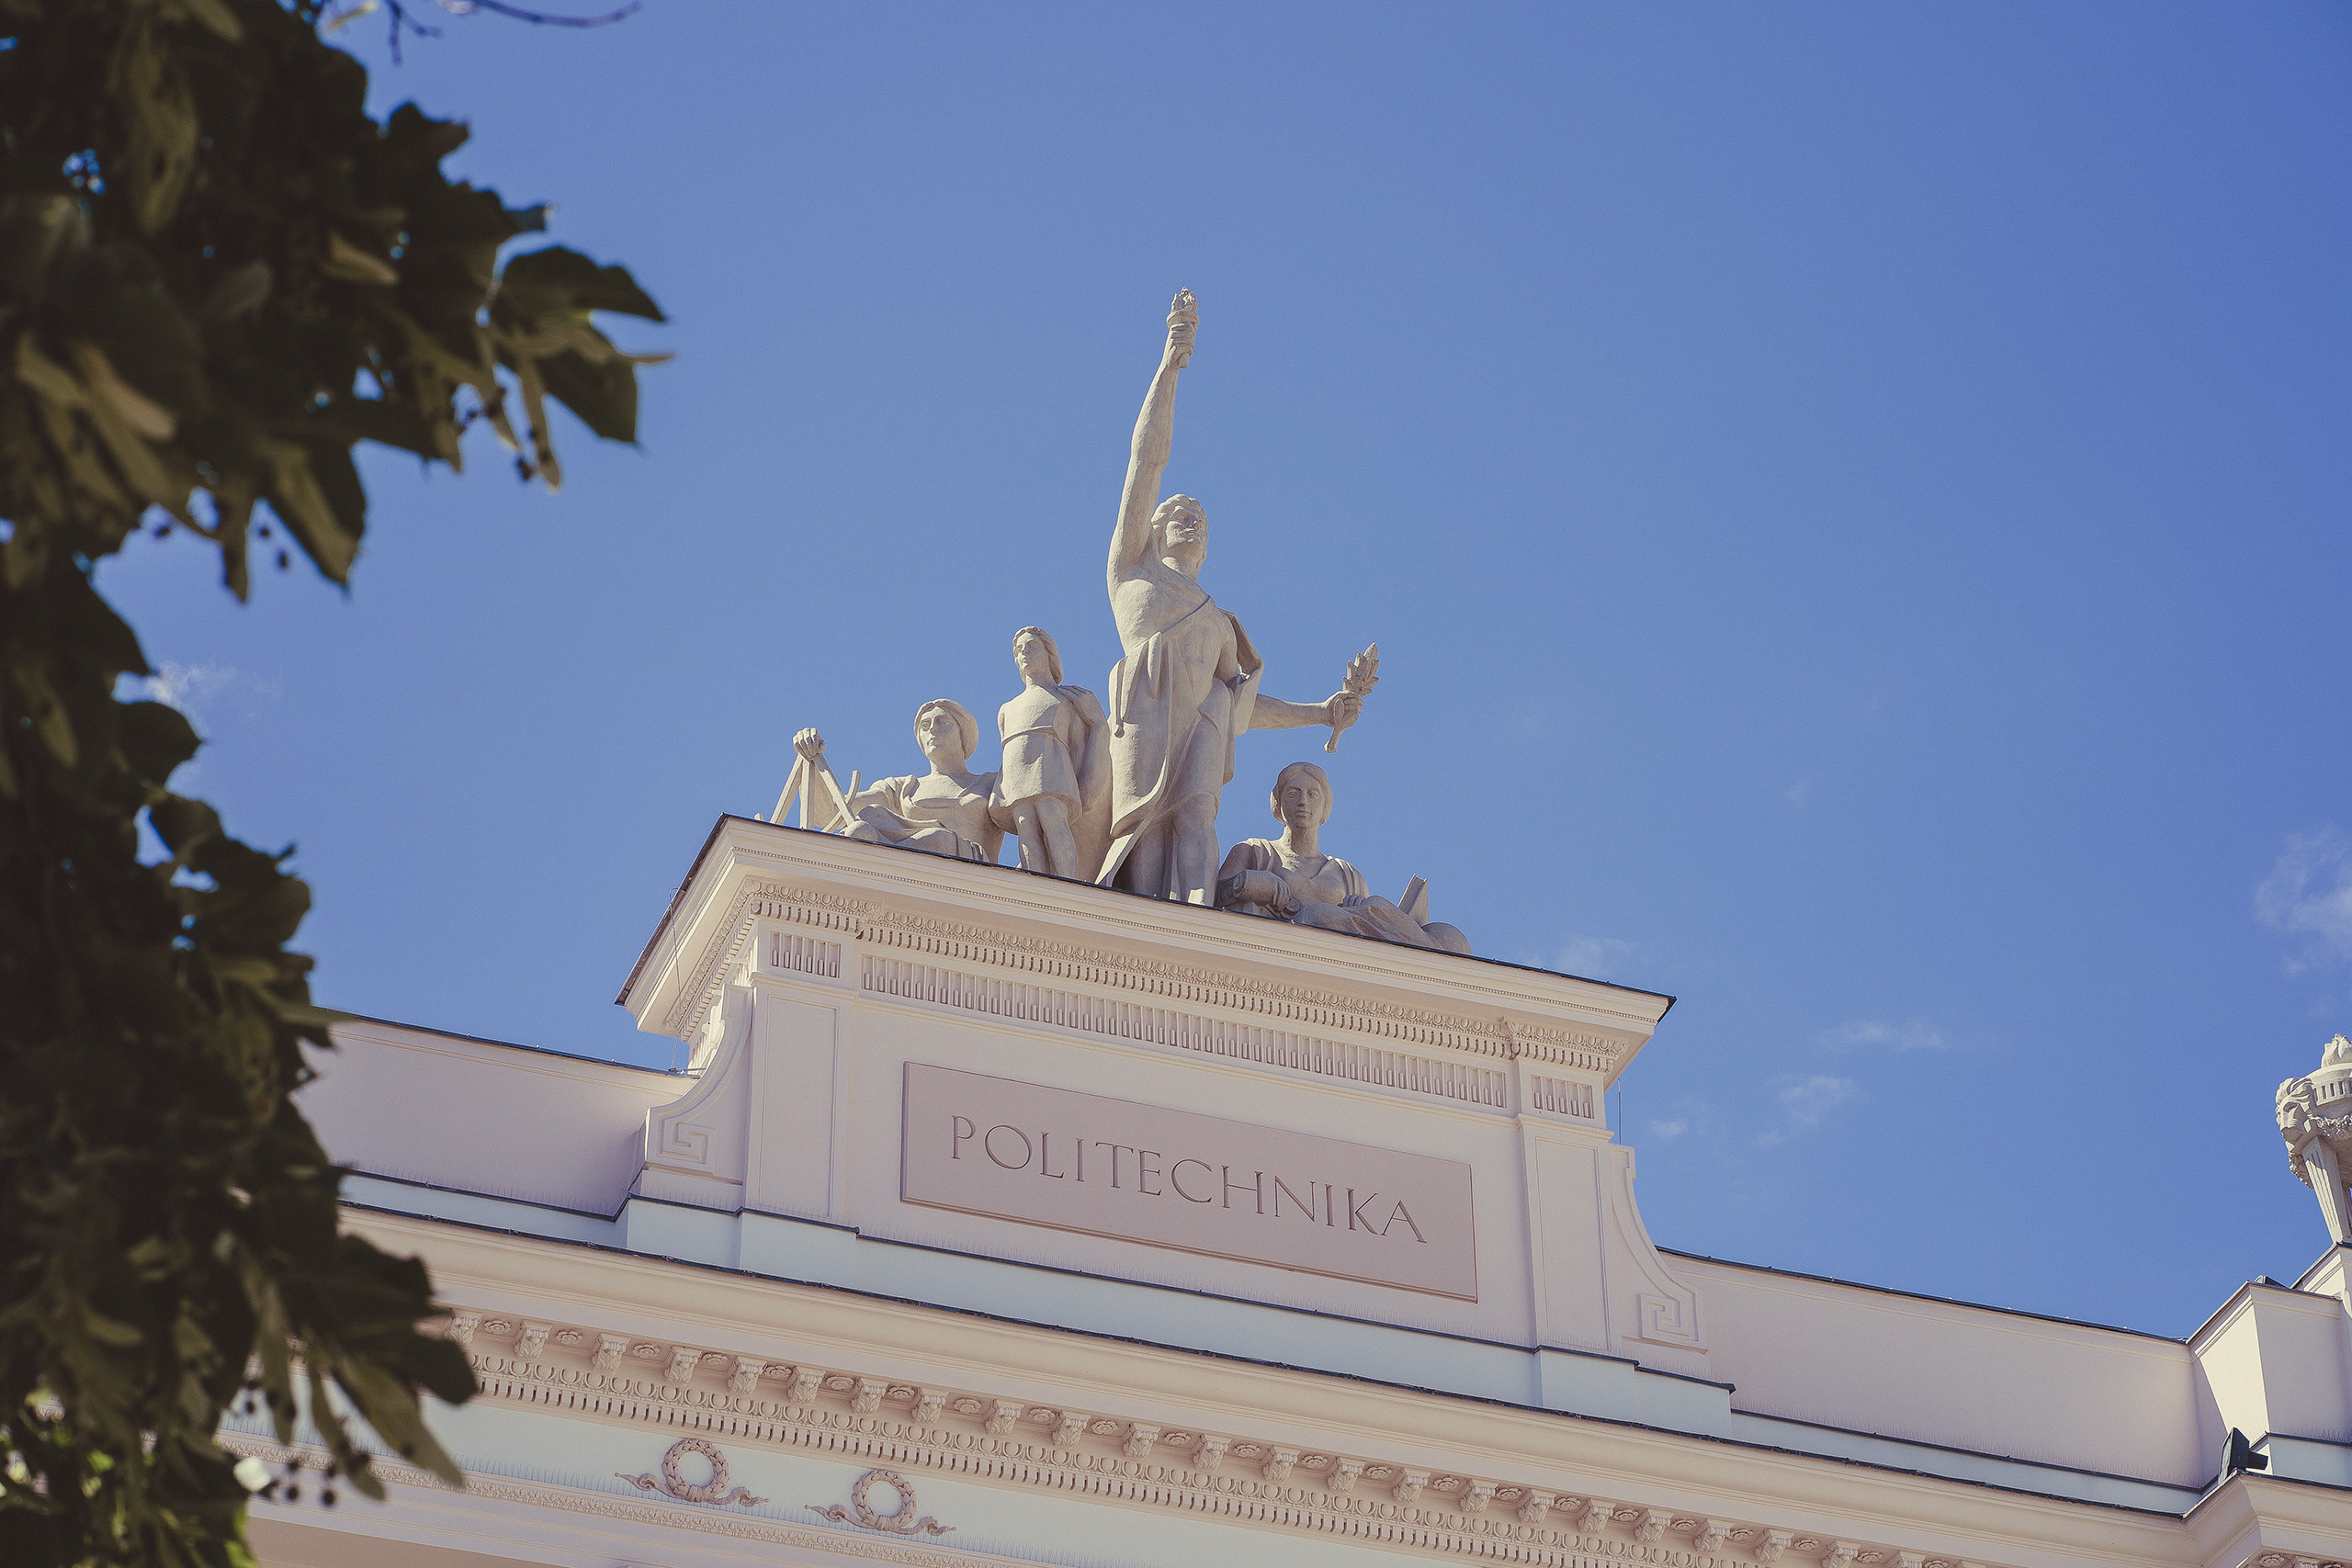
1084	1162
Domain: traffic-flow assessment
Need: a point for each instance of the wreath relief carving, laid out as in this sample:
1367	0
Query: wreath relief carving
861	1513
672	1482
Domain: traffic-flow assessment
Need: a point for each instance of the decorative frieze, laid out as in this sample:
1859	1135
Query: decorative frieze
900	1426
967	946
1560	1097
1184	1031
789	951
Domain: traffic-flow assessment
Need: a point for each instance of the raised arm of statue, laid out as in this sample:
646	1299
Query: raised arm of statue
1155	434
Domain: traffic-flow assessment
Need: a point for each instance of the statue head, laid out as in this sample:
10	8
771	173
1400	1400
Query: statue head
1302	796
948	733
1035	655
2295	1101
1180	528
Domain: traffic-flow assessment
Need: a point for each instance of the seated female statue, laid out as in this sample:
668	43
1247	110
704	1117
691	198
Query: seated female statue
1290	879
945	811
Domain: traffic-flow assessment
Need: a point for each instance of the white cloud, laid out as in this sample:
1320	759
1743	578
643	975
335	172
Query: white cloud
198	690
1917	1034
1594	957
1673	1128
1806	1101
187	686
2308	895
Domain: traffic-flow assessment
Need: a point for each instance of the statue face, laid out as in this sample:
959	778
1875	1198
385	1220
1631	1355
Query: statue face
1299	801
1032	658
1184	526
940	738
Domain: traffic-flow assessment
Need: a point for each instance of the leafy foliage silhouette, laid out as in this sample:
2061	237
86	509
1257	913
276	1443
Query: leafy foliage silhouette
218	275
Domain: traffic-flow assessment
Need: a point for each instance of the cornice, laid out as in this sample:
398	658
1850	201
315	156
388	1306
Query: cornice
904	1345
1494	1041
867	1417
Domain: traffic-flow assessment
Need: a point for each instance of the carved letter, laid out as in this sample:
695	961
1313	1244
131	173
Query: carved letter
1144	1173
1045	1158
1401	1212
1256	1188
1356	1212
960	1128
988	1144
1282	1190
1176	1180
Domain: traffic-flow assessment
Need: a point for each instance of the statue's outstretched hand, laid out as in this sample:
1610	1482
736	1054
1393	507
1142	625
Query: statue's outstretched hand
1341	709
1183	321
810	745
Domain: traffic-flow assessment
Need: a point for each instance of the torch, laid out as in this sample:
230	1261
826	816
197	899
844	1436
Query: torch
1363	674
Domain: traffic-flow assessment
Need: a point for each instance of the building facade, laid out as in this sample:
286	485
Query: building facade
1006	1219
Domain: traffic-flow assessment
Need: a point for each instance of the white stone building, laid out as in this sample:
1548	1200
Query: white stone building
1010	1220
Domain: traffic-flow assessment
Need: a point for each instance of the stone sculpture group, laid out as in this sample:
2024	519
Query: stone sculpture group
1127	797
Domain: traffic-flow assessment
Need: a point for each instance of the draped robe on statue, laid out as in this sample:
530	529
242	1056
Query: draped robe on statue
1174	721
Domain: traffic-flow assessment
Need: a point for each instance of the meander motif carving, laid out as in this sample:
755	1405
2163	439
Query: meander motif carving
672	1481
1010	1442
862	1513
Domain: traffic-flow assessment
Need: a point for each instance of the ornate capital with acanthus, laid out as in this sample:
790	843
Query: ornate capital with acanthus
2315	1119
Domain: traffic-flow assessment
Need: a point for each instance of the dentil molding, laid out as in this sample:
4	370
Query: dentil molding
896	1426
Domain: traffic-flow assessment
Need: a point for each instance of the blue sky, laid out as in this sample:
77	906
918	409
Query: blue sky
1850	499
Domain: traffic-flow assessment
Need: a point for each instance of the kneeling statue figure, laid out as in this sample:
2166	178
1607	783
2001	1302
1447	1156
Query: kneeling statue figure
1290	879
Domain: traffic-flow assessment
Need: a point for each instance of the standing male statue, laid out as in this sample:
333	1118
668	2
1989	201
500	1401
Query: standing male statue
1188	686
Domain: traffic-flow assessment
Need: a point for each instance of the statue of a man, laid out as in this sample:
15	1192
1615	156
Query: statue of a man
1188	686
